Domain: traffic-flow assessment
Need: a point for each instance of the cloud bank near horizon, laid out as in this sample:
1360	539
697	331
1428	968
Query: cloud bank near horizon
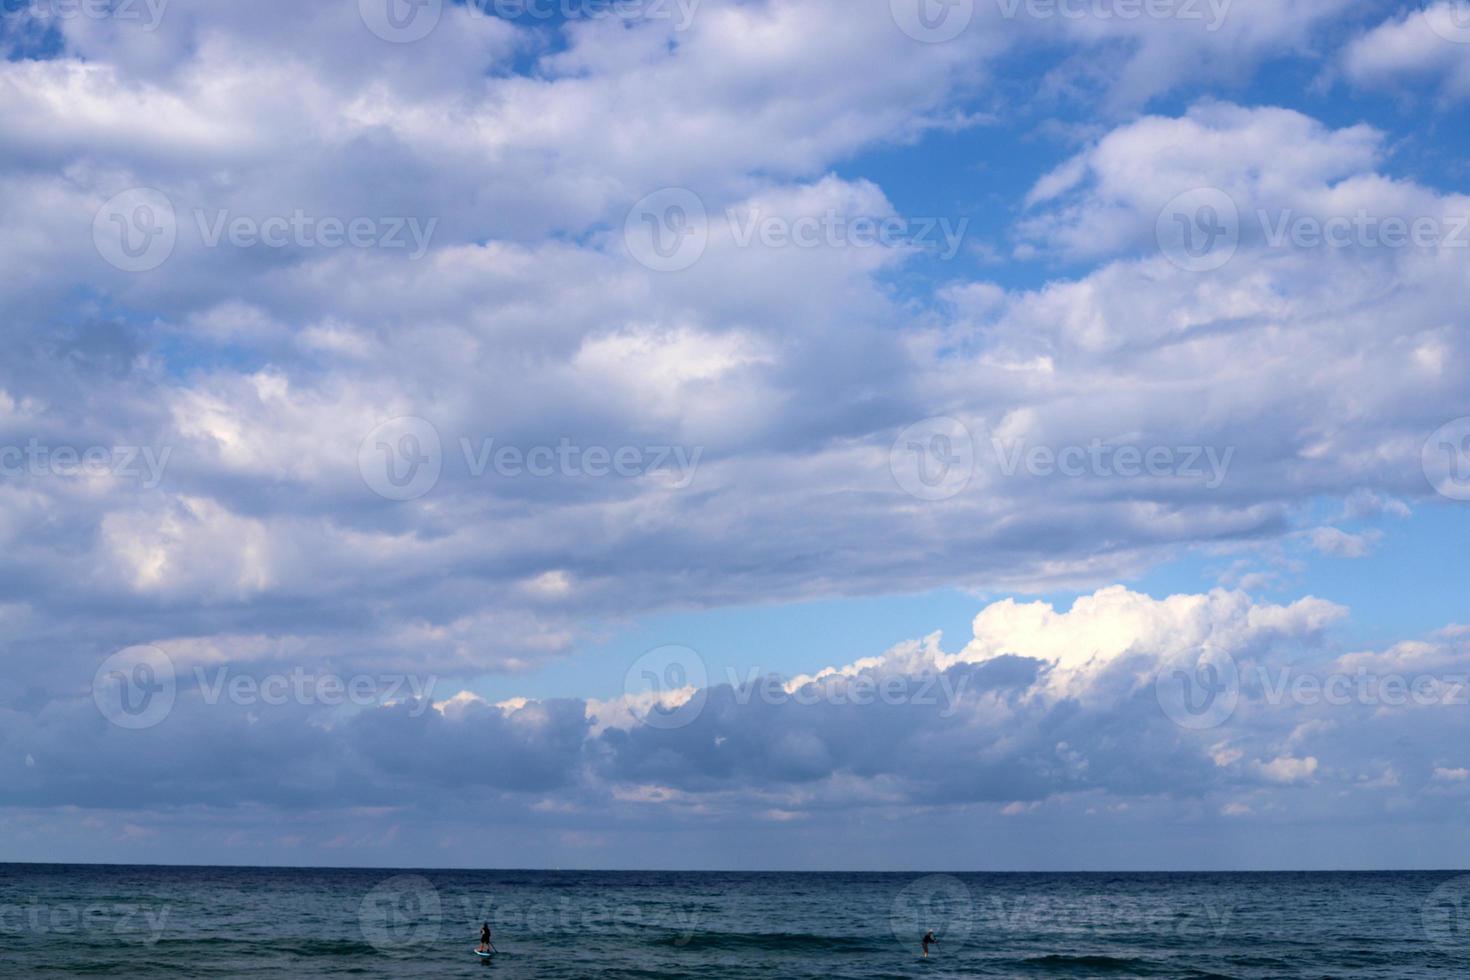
1110	707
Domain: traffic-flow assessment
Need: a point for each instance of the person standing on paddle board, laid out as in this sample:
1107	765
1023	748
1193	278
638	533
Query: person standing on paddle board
928	938
485	938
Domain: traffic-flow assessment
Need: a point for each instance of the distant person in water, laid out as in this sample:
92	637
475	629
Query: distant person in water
927	940
485	938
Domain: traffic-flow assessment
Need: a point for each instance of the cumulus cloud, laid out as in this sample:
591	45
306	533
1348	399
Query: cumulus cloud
1432	41
1116	415
780	370
1040	706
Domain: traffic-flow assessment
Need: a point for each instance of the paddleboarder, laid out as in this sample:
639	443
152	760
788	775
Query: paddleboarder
928	938
484	939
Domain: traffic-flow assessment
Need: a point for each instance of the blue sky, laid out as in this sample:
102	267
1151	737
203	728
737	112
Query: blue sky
547	381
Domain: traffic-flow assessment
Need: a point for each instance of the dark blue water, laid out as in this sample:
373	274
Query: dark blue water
67	920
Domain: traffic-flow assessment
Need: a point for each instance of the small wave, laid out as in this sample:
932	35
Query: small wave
320	947
767	941
1095	963
304	946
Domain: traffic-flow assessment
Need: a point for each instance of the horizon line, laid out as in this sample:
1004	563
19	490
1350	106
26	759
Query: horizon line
757	871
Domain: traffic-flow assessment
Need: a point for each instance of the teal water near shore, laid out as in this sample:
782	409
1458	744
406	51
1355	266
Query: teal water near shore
119	921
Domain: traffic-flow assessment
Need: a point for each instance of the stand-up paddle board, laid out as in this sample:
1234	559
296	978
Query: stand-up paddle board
483	953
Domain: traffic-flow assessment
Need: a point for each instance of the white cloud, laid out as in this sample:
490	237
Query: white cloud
1342	544
1286	769
1107	199
1429	41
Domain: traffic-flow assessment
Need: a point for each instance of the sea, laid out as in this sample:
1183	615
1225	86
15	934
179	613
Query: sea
151	921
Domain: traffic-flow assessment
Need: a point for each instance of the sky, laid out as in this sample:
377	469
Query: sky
751	434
